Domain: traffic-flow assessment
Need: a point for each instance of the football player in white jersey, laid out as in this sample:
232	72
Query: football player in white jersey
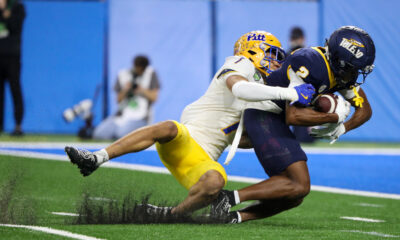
190	149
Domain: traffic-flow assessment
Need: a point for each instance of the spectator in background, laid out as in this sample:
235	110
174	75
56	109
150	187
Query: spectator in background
297	41
137	89
12	14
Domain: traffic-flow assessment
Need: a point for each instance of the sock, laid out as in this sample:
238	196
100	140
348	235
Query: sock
102	156
239	217
236	195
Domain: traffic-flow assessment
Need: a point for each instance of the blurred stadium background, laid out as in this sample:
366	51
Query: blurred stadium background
70	47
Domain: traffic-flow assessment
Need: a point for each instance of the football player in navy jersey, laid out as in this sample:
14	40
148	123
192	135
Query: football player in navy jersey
348	53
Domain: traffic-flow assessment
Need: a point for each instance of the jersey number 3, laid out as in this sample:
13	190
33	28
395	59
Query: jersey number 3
302	72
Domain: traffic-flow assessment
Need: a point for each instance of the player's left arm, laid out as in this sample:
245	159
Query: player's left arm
301	116
361	114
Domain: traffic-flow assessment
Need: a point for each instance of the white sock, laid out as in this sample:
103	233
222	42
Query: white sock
237	199
102	156
239	217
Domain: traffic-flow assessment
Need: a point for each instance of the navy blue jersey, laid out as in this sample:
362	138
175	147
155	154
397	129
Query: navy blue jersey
311	65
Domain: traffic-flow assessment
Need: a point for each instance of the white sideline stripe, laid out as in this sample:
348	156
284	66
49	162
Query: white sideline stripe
58	145
354	151
53	231
368	205
355	192
163	170
65	214
308	150
372	233
362	219
102	199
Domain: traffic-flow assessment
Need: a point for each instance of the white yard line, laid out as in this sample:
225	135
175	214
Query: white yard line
369	205
355	192
372	233
362	219
52	231
154	169
65	214
102	199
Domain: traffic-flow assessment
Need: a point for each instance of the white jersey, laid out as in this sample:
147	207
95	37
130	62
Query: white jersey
212	120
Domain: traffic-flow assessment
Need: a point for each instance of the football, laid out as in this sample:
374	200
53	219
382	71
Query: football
326	103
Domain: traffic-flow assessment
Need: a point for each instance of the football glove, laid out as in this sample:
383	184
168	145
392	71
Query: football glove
305	94
342	109
330	131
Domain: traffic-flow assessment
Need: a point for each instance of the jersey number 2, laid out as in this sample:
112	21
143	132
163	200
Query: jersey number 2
302	72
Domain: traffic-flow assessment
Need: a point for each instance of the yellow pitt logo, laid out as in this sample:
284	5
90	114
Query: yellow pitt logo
352	46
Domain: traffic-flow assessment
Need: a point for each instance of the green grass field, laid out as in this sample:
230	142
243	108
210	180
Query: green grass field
42	187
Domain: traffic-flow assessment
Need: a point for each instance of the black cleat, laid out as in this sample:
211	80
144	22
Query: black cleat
222	204
227	218
232	218
85	160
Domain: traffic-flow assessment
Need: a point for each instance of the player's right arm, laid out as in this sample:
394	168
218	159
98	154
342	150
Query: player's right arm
246	83
251	91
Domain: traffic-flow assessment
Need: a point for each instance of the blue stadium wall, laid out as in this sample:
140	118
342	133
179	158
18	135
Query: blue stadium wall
64	56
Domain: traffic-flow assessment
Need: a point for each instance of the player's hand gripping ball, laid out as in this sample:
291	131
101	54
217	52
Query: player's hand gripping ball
326	103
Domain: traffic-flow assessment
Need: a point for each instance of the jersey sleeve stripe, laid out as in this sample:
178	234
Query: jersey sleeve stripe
332	81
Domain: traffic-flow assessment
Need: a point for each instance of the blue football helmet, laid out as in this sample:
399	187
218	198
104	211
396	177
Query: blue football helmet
351	52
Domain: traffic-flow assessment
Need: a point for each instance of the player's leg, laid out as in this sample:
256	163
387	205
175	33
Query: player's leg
293	183
133	142
278	193
267	208
194	169
202	193
281	157
143	138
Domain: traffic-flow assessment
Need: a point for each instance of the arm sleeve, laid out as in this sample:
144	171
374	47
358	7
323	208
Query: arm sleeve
154	82
250	91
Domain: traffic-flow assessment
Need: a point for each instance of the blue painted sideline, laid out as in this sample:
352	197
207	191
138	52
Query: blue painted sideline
366	172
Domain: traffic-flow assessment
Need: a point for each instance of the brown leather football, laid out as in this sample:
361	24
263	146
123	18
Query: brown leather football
326	103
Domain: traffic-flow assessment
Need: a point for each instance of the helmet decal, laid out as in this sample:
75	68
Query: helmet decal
261	48
350	52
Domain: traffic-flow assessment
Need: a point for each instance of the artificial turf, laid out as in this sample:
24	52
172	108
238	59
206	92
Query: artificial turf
42	187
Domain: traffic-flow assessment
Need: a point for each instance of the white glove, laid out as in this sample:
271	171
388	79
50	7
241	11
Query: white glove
342	109
329	131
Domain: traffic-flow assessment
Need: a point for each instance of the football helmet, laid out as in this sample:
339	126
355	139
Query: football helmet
350	52
260	48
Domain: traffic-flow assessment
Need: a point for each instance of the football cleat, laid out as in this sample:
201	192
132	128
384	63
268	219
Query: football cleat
85	160
222	205
232	217
228	218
